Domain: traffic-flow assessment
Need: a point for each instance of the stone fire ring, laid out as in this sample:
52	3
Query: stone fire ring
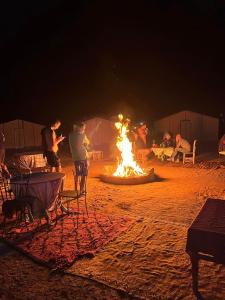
129	180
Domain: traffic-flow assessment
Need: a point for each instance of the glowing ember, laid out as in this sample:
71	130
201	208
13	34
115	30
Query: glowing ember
127	165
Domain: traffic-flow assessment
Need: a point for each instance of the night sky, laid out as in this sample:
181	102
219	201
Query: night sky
143	58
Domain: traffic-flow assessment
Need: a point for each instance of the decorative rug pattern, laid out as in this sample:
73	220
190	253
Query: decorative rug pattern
70	238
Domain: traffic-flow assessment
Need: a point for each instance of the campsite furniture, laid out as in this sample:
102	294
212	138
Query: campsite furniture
190	156
206	237
95	155
44	186
67	196
29	160
162	152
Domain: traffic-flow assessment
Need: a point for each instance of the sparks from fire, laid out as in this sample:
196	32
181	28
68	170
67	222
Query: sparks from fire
127	166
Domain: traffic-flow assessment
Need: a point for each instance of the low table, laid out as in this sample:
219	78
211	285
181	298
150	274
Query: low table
206	237
163	151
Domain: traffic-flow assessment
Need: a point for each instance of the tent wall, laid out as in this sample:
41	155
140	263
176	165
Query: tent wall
101	133
191	125
21	134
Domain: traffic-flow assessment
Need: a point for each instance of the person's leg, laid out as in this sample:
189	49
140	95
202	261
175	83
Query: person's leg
56	162
58	169
180	154
82	184
173	156
84	172
76	175
50	160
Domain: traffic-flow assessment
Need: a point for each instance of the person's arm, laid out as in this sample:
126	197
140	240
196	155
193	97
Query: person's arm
86	141
59	139
178	144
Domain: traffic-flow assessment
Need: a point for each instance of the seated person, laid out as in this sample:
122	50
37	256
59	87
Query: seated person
222	144
182	146
167	141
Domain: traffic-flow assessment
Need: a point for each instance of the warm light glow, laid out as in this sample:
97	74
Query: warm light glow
127	165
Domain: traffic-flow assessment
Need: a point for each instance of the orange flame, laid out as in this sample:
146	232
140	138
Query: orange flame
127	166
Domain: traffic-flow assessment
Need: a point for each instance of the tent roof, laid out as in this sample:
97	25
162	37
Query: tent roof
16	120
98	118
189	111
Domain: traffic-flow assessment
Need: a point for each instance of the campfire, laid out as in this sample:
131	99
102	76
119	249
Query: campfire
128	171
127	166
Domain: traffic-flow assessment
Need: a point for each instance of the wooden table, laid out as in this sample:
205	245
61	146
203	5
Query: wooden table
206	237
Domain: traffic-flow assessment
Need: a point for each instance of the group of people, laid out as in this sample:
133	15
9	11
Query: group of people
142	141
79	144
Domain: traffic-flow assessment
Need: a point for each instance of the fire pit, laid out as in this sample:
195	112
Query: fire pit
131	180
128	171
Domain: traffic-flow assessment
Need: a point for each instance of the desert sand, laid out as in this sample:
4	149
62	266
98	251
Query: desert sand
146	262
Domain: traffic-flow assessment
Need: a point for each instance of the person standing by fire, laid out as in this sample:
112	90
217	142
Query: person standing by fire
79	144
50	145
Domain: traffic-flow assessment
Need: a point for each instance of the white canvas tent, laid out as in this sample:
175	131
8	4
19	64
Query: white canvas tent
101	133
21	134
190	125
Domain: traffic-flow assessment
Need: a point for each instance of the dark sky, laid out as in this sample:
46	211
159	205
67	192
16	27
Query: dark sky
144	58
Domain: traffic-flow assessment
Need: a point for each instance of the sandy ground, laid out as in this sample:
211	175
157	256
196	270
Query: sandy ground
148	261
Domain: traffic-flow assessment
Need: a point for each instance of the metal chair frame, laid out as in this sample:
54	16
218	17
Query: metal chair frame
71	195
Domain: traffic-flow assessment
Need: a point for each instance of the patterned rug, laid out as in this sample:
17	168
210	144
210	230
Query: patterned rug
70	238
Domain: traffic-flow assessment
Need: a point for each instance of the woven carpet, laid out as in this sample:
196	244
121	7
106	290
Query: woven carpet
72	237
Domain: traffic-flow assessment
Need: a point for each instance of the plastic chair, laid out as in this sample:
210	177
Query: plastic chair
190	156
